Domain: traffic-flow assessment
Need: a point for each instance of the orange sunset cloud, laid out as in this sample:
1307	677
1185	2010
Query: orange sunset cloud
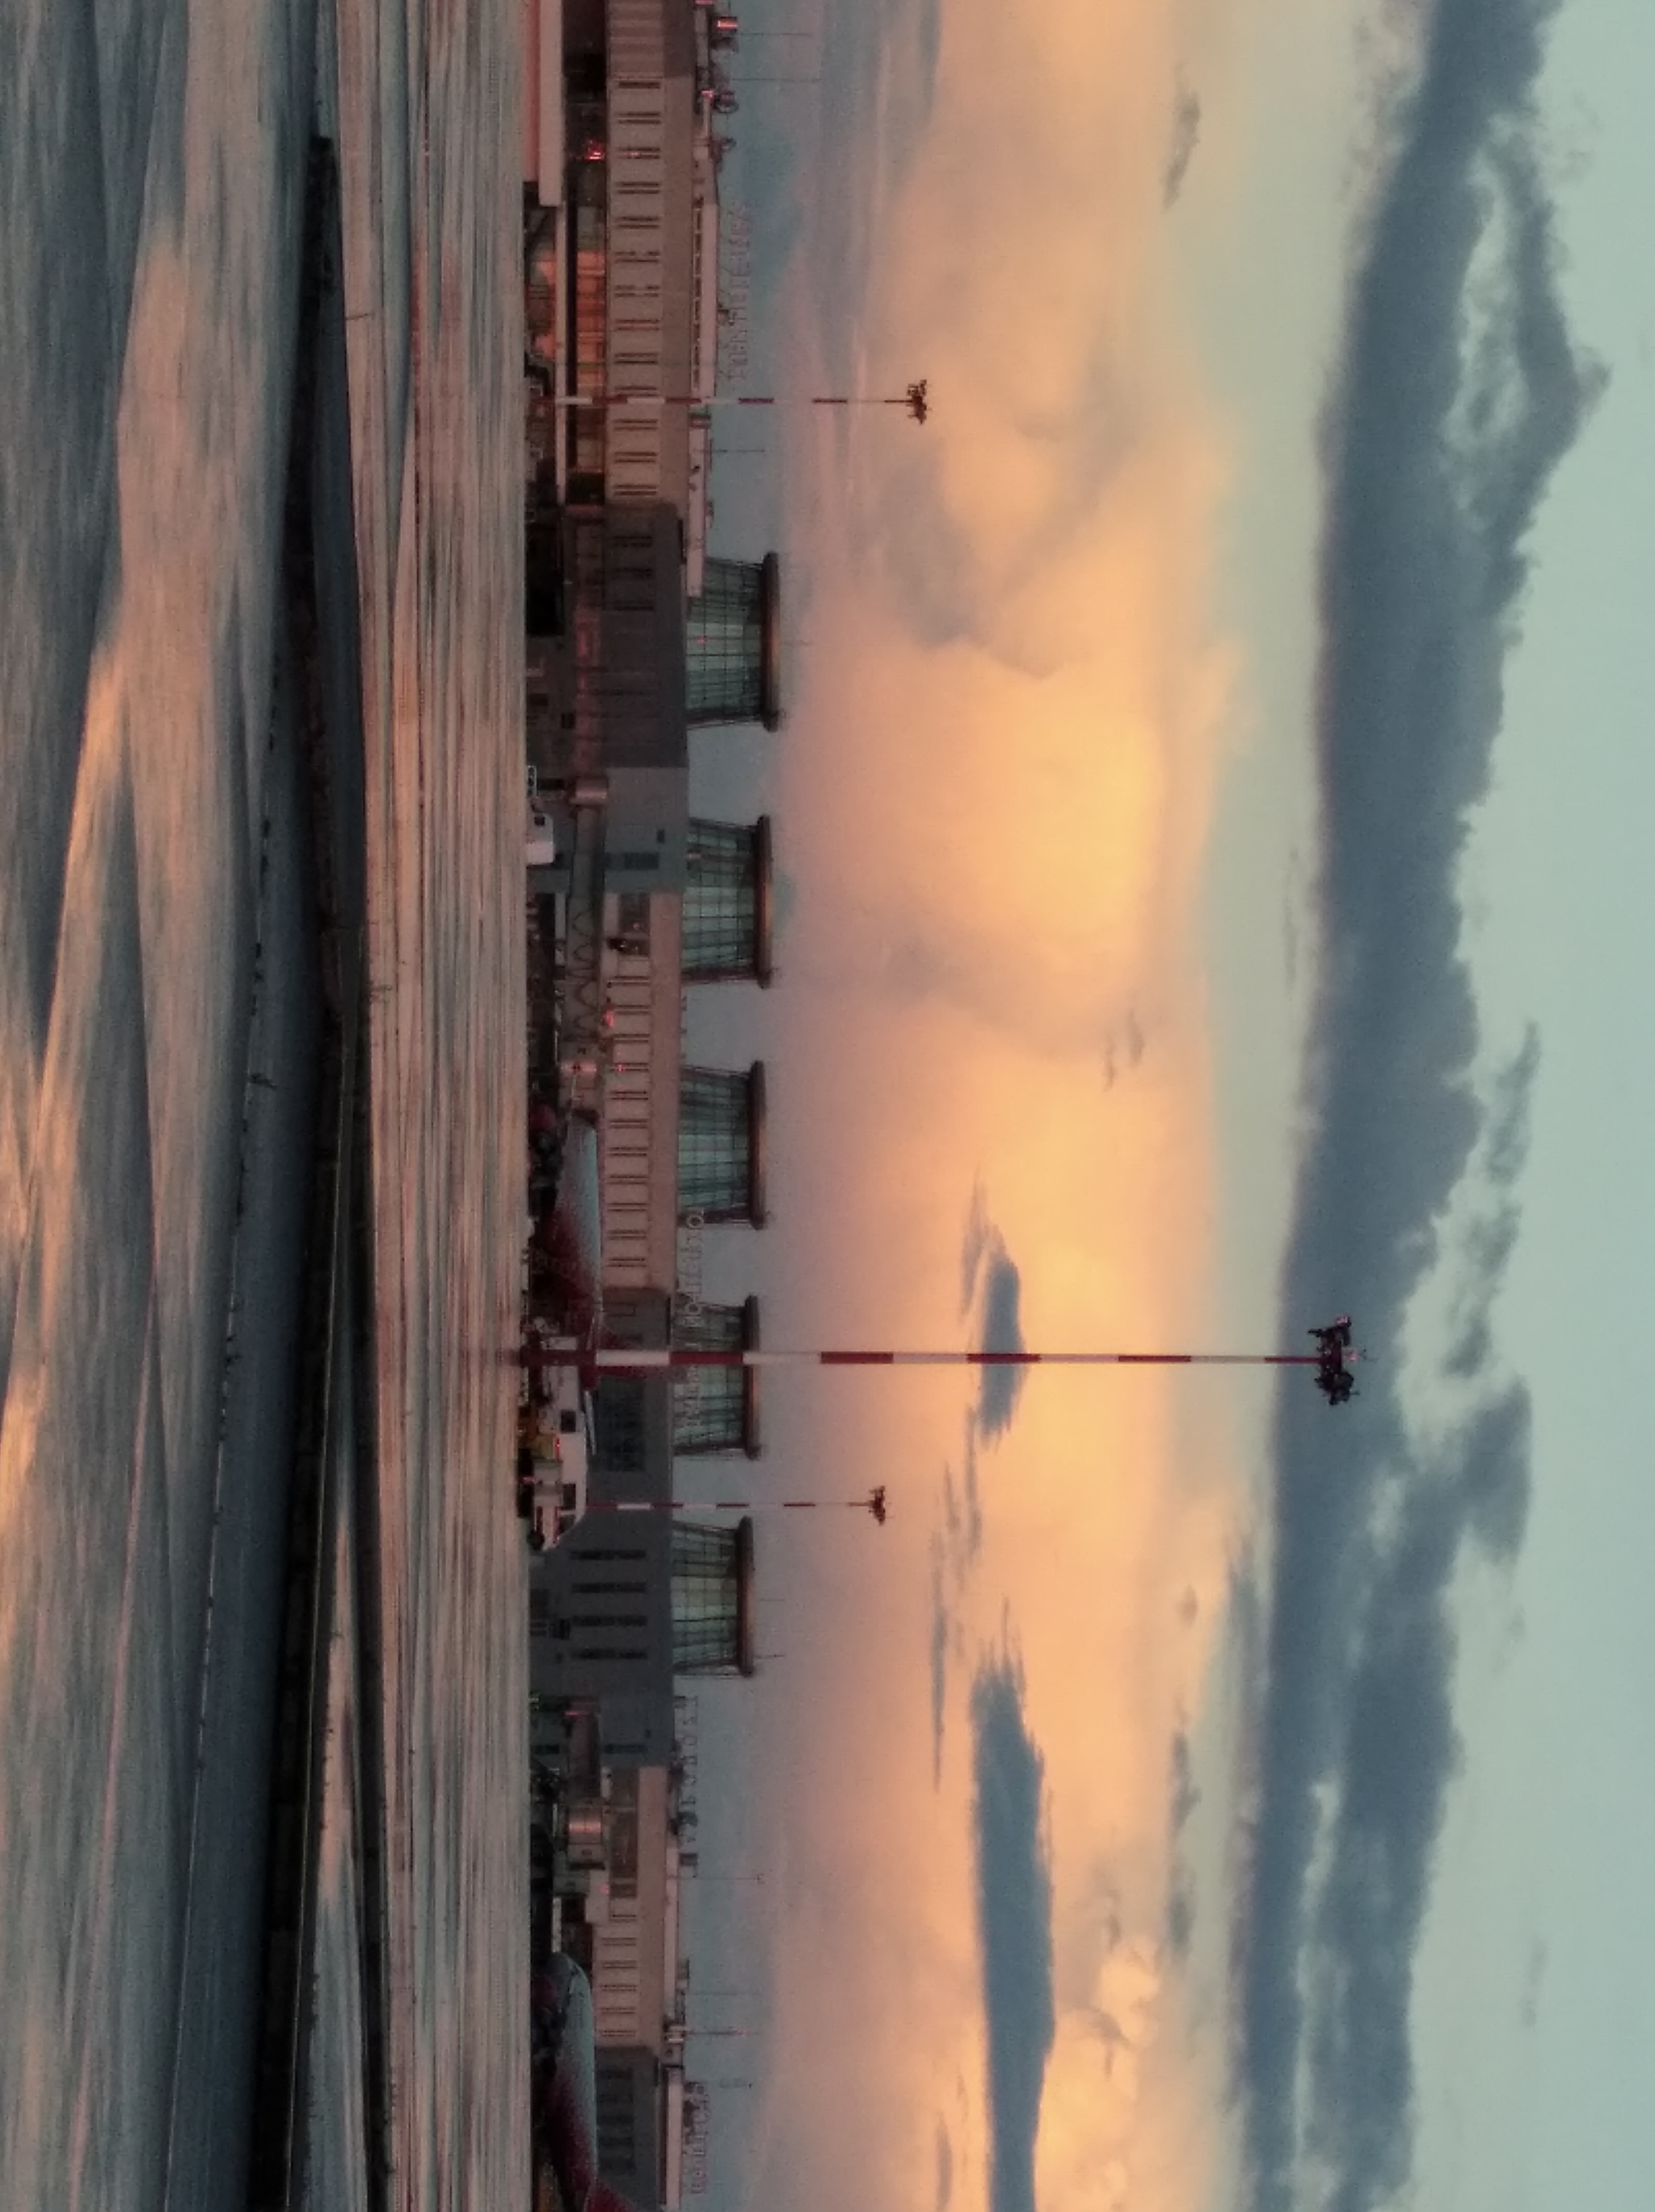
1006	738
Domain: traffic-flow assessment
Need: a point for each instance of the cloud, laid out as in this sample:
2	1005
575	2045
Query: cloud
1007	723
979	1242
1002	1331
1009	618
992	1289
1178	1923
1180	1929
962	1509
941	1634
1186	131
1506	1141
945	2169
1490	1237
1494	1462
1184	1794
1458	392
990	1293
1014	1914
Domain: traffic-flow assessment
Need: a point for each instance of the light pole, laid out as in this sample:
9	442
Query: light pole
1334	1359
914	400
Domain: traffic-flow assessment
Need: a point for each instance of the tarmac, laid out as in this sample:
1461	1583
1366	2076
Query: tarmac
335	1433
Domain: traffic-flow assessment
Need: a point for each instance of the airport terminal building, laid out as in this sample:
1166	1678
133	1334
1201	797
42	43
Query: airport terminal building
641	643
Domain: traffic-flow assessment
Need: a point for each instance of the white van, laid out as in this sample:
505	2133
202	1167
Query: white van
541	843
555	1432
540	847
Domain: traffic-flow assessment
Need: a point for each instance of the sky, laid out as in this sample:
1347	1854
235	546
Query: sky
1212	817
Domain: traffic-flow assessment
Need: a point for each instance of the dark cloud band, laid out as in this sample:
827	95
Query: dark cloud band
1013	1912
1458	392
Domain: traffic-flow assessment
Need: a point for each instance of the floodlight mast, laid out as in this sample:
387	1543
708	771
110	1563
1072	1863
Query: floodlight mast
1335	1360
914	400
871	1502
619	1360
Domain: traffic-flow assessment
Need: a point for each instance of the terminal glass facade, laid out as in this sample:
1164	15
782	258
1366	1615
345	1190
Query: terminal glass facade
709	1404
724	636
722	902
715	1145
707	1598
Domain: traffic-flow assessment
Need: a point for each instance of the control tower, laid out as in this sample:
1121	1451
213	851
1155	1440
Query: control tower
732	644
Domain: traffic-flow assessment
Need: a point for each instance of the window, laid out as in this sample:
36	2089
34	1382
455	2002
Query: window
720	901
709	1410
724	636
709	1404
714	1144
706	1599
590	557
623	1854
587	431
618	1421
632	921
